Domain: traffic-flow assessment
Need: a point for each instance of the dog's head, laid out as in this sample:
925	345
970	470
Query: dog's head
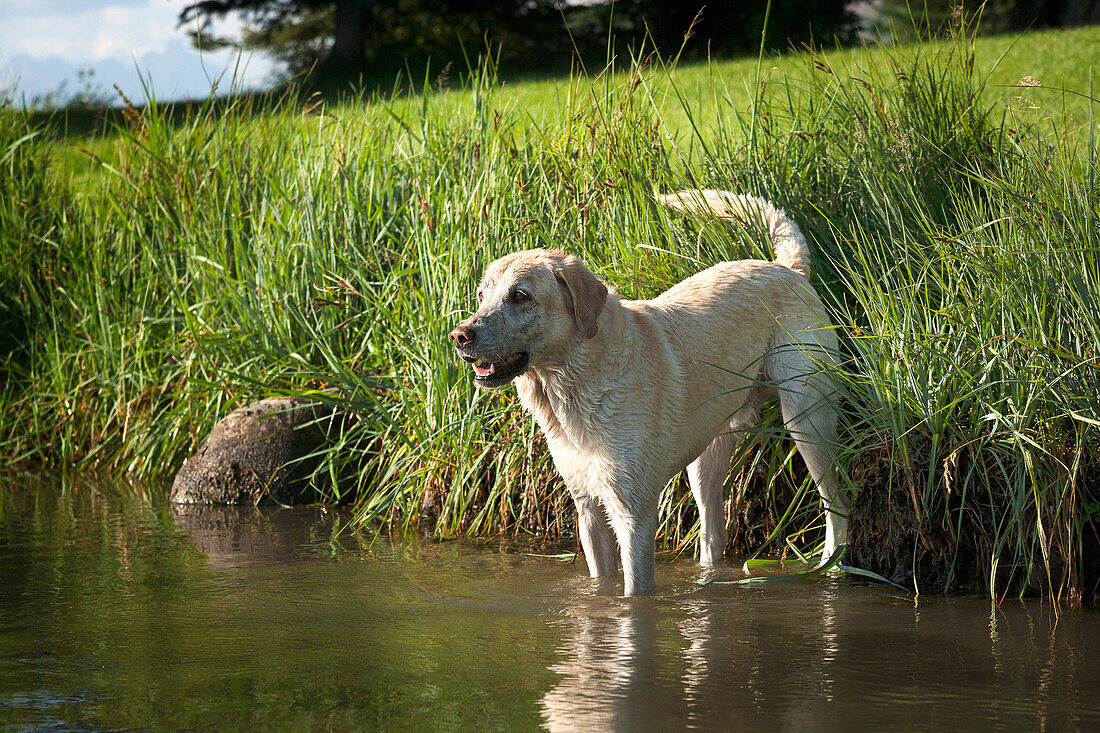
532	307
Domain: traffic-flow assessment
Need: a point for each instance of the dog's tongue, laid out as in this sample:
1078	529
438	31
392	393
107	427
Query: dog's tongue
484	371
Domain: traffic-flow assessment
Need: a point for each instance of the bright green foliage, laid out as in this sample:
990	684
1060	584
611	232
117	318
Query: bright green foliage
328	251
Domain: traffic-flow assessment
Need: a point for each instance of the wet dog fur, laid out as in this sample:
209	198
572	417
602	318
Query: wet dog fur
630	393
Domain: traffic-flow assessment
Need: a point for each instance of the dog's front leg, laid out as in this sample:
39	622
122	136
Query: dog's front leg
636	530
597	538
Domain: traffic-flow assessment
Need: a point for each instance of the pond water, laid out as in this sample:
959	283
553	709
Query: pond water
120	611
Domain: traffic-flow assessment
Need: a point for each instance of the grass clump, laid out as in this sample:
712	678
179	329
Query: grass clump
327	251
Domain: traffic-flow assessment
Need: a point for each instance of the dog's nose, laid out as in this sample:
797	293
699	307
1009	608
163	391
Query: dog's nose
462	335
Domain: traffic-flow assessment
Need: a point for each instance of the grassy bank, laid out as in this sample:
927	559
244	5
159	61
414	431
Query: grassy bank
159	277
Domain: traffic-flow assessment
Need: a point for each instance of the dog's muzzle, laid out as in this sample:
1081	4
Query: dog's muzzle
487	373
496	373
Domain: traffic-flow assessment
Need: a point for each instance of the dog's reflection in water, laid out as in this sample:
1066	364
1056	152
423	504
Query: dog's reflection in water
696	661
608	660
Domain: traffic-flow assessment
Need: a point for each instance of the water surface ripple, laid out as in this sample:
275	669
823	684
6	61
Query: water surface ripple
119	611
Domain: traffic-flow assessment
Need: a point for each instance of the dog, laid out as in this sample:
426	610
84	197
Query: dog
630	393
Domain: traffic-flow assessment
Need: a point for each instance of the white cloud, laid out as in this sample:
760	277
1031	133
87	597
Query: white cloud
40	38
93	32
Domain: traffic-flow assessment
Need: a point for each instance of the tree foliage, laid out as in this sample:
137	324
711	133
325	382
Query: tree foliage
904	20
380	36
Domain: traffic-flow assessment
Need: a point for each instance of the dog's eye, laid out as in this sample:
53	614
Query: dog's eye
480	296
520	295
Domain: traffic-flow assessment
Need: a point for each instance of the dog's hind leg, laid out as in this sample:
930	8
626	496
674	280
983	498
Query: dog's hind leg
597	539
707	477
808	399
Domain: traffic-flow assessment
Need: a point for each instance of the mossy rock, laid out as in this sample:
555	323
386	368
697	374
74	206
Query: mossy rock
264	453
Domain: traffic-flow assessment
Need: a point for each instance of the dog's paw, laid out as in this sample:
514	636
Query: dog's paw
830	562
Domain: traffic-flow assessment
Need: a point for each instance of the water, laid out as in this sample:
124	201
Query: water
118	611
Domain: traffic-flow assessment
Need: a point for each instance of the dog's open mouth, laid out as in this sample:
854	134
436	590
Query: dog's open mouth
496	373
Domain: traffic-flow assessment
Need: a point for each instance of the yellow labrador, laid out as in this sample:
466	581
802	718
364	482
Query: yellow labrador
631	392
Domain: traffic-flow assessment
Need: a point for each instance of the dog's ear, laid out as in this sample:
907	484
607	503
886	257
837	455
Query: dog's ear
584	295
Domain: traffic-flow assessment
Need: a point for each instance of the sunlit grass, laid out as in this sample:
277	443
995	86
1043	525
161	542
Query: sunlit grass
1058	60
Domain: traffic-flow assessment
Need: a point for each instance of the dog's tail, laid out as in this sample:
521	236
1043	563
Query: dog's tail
790	245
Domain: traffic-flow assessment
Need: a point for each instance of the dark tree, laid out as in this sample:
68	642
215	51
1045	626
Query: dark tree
382	35
348	37
1046	13
727	27
901	19
298	32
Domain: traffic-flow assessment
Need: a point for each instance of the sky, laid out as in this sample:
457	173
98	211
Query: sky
46	44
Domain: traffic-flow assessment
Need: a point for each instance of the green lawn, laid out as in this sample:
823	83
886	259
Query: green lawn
1058	59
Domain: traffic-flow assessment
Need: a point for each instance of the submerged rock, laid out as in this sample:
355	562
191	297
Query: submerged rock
262	453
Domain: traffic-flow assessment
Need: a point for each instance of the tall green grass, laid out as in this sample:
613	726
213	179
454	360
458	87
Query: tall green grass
328	250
